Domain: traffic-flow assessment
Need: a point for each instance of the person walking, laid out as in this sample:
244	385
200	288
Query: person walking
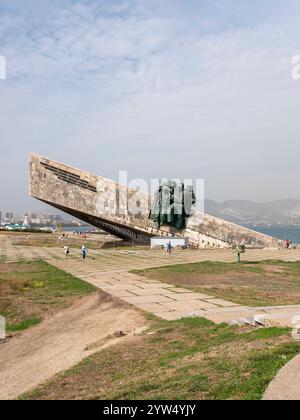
84	252
169	248
67	251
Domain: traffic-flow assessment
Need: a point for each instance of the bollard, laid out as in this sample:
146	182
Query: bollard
239	249
2	328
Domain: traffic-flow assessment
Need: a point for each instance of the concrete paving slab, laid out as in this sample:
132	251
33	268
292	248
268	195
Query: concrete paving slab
161	285
189	305
122	294
238	309
121	287
276	320
181	290
280	309
152	307
191	296
226	317
221	302
176	315
146	299
150	291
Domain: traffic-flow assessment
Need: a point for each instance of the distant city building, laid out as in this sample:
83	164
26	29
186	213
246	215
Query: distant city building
25	223
9	217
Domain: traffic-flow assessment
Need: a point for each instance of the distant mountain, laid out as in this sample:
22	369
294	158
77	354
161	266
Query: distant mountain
249	213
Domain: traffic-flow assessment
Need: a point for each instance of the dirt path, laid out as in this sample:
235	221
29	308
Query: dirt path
57	344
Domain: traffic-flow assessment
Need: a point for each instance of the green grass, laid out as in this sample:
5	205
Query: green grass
190	358
31	290
263	283
261	367
24	325
210	267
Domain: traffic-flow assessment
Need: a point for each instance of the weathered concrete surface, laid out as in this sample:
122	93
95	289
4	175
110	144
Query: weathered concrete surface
286	385
91	198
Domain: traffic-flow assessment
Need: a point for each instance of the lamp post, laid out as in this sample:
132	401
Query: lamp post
239	249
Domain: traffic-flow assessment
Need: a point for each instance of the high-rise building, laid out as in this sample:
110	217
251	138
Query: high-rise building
9	217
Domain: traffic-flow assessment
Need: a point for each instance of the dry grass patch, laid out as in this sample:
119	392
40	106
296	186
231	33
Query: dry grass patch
55	242
95	242
30	291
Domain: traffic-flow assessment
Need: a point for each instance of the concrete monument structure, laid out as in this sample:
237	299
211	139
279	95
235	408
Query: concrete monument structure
124	212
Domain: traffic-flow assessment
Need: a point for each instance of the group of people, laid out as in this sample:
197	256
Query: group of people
289	244
168	248
83	251
82	234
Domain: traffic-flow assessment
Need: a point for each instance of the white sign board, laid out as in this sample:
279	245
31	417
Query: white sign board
162	242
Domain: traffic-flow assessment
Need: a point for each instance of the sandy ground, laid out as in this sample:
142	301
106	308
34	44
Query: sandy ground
55	345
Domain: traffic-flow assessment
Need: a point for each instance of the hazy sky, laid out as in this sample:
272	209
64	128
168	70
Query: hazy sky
162	88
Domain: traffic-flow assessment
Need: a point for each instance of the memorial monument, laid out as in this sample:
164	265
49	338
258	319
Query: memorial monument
133	215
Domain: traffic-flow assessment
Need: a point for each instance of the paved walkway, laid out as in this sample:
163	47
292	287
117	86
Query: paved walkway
114	260
170	302
162	299
108	270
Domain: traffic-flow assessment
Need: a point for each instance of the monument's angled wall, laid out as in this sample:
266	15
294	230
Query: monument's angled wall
232	233
89	197
78	193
